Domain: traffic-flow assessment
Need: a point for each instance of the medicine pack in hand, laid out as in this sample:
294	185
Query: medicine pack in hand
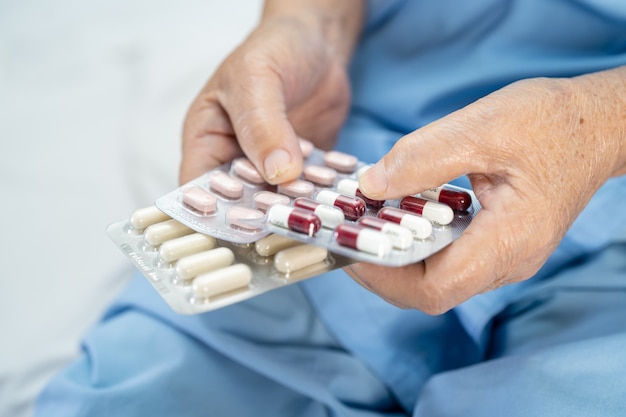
316	223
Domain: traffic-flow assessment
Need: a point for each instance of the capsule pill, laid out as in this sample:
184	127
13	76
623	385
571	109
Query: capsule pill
272	244
401	237
167	230
224	280
433	211
352	207
147	216
363	239
173	250
421	227
299	257
330	216
294	219
457	200
198	263
351	188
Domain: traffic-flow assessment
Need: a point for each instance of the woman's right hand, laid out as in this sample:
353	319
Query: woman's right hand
288	79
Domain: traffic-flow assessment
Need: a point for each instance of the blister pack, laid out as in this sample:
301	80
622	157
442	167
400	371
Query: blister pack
324	207
195	273
228	235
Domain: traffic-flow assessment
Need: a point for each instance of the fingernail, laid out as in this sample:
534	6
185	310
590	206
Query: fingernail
276	164
373	183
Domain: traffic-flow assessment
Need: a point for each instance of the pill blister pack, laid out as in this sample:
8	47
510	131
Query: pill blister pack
324	207
195	273
228	235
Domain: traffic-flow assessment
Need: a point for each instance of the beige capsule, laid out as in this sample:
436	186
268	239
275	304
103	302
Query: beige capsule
178	248
164	231
272	244
147	216
224	280
199	263
298	257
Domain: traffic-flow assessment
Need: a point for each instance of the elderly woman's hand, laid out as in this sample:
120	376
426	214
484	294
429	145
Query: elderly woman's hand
535	152
287	80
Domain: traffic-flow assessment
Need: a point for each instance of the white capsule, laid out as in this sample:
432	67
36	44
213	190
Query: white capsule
348	187
174	249
224	280
421	227
401	237
330	216
169	229
147	216
363	239
294	218
196	264
436	212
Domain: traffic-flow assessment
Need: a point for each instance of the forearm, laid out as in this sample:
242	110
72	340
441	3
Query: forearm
339	22
602	98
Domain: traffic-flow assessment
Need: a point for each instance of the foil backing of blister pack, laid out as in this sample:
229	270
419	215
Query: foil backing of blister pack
216	224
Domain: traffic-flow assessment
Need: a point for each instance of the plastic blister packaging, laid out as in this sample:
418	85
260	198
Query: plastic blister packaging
195	273
234	204
228	235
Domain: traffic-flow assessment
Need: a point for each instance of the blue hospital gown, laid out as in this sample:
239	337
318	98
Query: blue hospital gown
554	345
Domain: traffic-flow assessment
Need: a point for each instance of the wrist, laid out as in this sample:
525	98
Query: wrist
339	23
603	98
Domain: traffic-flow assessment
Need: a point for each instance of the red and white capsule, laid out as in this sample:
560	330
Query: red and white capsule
294	219
351	188
363	239
457	200
435	212
421	227
352	207
330	216
401	237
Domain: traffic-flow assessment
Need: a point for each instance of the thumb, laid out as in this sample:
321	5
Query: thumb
425	158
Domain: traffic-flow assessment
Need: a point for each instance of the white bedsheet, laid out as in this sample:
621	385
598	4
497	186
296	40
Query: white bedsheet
92	98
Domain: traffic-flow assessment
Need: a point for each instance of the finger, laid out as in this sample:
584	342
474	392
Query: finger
434	286
208	140
426	158
257	111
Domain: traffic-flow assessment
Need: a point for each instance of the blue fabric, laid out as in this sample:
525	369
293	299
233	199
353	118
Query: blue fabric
558	349
554	345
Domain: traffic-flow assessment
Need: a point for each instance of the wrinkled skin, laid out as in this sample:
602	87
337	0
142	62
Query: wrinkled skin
535	152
